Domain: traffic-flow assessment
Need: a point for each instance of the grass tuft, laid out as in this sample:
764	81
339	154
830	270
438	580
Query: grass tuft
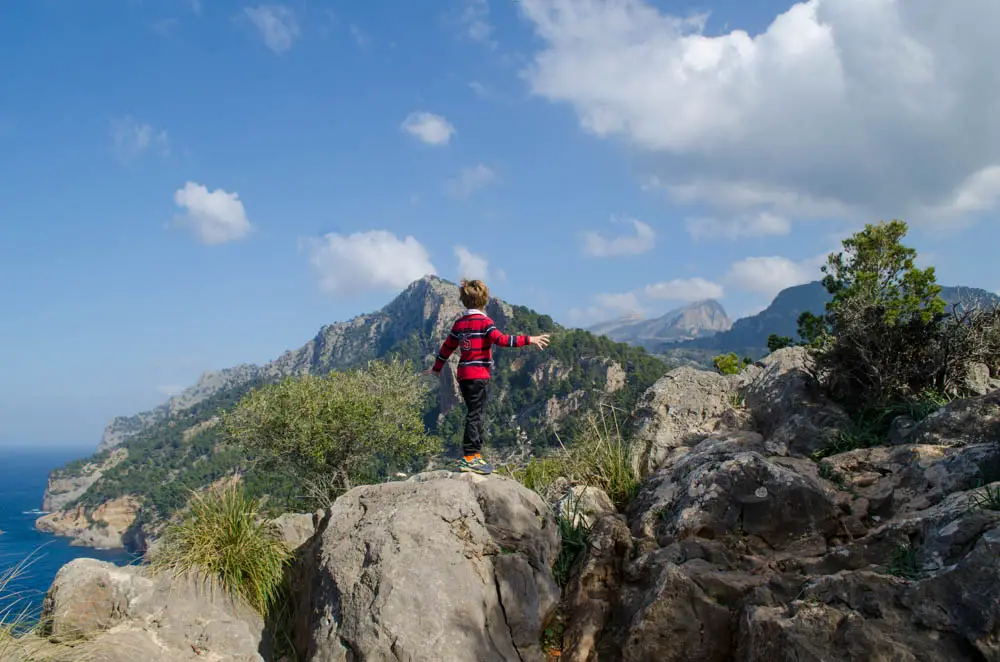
904	562
226	537
987	497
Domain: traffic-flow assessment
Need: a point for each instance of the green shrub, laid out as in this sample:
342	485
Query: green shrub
604	459
225	537
731	364
904	562
987	497
574	535
776	342
351	427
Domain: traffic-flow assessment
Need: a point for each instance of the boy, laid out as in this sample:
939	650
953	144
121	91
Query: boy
475	333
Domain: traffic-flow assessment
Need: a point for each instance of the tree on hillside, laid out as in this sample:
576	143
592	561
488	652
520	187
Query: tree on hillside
341	429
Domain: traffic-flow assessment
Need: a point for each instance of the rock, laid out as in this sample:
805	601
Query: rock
104	527
296	529
115	613
443	567
584	505
726	487
843	618
788	407
977	379
681	409
961	422
676	621
63	488
965	598
901	429
594	588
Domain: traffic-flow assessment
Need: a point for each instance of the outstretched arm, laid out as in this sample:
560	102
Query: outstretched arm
501	339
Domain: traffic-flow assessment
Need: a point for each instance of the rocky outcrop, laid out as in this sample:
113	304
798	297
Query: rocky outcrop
778	397
64	487
736	550
103	527
103	613
442	566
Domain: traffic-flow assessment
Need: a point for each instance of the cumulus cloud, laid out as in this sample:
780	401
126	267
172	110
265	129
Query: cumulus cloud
475	20
277	25
130	139
620	303
428	127
685	289
770	275
839	108
761	224
470	180
367	261
642	241
471	265
215	217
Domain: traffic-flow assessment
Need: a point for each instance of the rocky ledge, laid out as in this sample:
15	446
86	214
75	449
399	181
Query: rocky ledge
105	527
738	547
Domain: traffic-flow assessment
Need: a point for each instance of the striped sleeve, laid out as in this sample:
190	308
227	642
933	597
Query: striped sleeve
448	347
501	339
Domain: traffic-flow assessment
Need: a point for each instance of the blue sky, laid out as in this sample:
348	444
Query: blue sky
187	185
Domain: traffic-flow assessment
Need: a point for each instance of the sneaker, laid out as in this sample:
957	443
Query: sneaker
476	465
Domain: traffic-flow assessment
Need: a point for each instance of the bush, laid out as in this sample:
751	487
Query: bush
346	428
776	342
731	364
225	537
885	336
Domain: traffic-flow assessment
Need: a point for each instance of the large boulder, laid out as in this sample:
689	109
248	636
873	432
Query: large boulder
443	566
788	405
960	423
681	409
104	613
725	486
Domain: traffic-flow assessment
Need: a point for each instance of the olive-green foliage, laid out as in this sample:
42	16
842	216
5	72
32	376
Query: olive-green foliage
987	497
885	337
574	536
903	562
731	364
776	342
225	536
353	426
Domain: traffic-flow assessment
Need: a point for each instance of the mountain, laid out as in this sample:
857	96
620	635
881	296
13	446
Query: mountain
748	335
147	464
695	320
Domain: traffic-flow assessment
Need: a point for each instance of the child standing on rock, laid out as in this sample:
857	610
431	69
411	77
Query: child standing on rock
475	334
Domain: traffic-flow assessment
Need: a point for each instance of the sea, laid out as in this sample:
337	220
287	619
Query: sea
23	475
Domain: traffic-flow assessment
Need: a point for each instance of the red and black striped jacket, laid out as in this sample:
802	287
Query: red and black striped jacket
475	333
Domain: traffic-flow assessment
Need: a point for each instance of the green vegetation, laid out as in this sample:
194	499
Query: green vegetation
574	536
347	428
885	337
225	536
776	342
904	562
731	364
987	497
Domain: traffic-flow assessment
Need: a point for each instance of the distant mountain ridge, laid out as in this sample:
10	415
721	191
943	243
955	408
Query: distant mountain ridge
695	320
749	335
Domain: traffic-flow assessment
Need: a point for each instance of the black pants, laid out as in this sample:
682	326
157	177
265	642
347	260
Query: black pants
475	392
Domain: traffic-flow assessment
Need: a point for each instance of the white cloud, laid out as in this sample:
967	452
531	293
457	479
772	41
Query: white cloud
770	275
761	224
368	261
196	7
428	127
131	139
277	24
839	108
361	37
597	245
470	180
685	289
215	217
476	22
479	89
471	265
620	303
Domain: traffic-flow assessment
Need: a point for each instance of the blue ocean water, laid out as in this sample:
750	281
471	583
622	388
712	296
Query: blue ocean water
23	474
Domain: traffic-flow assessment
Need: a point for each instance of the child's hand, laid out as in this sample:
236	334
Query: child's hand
542	341
429	371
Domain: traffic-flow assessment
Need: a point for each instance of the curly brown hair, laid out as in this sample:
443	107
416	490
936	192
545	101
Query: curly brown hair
474	294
